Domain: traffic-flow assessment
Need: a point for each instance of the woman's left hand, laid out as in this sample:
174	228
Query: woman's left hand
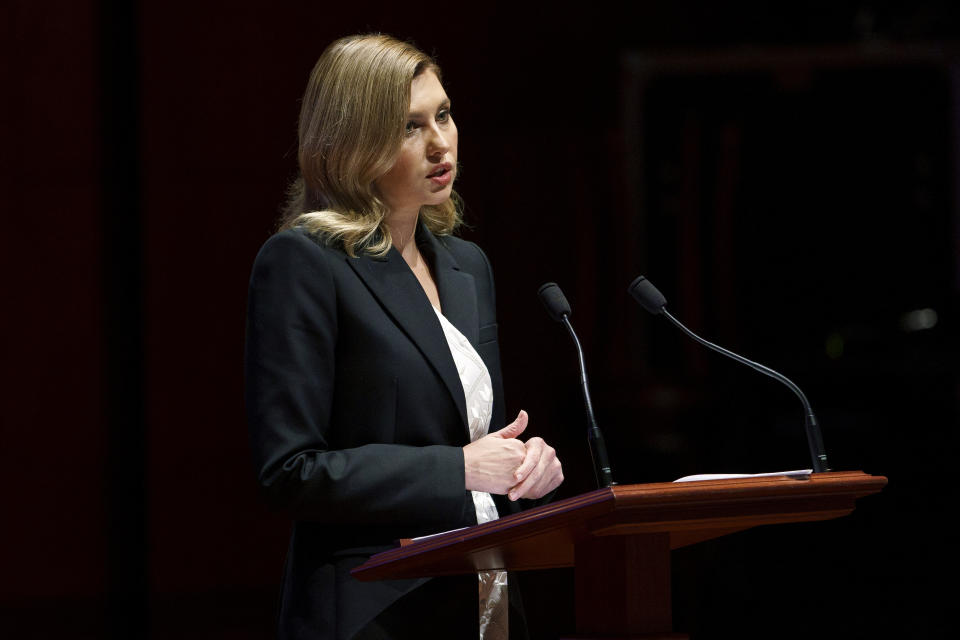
539	473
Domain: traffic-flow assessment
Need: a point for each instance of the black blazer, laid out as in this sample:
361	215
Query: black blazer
357	418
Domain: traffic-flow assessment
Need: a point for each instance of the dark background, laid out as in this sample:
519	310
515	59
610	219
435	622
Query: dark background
786	173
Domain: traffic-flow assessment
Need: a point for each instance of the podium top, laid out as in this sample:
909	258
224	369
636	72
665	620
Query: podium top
689	512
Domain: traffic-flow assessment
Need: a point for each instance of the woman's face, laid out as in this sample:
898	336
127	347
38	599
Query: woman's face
427	165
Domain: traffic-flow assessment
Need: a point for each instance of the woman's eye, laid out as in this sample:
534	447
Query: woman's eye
443	116
411	127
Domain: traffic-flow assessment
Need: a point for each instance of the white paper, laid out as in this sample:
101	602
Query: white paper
434	535
800	473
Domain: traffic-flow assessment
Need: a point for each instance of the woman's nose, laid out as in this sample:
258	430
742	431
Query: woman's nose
438	144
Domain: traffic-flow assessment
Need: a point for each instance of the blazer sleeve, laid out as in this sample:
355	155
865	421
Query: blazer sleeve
290	365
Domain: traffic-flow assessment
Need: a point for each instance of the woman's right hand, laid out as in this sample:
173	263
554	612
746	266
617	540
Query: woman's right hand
490	462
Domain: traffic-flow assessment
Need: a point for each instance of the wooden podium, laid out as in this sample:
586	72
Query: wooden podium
619	539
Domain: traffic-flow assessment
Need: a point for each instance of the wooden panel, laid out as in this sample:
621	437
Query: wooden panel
623	585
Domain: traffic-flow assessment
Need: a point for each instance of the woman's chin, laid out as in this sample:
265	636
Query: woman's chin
439	197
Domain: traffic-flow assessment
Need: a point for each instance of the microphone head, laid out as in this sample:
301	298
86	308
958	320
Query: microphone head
647	295
555	302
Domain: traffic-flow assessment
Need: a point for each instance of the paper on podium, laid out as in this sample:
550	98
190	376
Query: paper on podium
800	473
434	535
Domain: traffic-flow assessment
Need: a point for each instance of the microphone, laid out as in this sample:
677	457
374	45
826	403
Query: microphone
653	301
559	309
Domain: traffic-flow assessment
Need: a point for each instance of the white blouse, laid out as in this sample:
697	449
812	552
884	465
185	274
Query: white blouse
478	391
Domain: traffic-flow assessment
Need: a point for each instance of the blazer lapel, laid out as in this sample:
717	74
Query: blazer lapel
457	289
392	282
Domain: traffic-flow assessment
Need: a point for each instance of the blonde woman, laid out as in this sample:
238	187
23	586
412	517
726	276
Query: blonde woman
374	392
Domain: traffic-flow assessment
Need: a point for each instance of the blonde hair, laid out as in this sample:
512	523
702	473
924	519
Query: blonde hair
351	129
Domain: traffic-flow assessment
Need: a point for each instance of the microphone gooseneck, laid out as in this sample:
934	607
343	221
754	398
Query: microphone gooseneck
653	301
559	309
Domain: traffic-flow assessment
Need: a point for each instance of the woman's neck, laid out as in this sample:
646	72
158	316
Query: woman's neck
403	229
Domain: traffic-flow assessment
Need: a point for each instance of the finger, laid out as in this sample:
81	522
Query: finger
547	477
513	429
534	449
525	488
551	479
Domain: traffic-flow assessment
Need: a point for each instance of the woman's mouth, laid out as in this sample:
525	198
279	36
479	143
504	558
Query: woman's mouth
442	175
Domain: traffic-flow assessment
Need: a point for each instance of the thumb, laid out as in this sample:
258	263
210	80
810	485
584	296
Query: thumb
515	428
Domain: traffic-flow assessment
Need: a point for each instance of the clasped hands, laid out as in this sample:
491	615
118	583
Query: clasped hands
500	463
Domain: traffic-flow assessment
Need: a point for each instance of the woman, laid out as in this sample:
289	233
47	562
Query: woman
372	363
